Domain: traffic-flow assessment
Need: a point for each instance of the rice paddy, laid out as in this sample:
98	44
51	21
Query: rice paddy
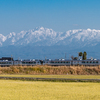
42	90
33	90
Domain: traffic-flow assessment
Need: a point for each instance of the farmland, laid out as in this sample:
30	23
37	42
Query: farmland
44	90
28	90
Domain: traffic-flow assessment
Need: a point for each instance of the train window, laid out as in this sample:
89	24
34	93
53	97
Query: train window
9	62
96	61
5	62
23	62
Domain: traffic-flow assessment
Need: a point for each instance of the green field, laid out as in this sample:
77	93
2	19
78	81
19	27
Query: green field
28	90
57	76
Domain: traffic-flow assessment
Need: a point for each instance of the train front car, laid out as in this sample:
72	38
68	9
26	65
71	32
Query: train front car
6	61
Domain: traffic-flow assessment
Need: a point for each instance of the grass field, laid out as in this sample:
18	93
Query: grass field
28	90
51	70
57	76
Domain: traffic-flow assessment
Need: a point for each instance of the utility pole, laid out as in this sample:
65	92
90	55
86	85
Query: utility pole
69	56
65	55
11	57
45	58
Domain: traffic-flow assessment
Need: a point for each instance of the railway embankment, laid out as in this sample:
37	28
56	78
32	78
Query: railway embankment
50	79
51	70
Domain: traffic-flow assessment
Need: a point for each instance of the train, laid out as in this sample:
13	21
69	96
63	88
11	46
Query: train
9	61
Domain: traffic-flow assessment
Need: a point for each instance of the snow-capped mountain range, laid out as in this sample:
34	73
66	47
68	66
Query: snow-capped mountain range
41	36
43	42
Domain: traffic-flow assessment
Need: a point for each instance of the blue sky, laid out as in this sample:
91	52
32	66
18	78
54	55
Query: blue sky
60	15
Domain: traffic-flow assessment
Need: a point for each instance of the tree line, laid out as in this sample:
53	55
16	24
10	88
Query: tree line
82	56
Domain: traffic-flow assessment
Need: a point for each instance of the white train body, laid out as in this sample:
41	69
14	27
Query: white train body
86	62
60	62
27	62
56	62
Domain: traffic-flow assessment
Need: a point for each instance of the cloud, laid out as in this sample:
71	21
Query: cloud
75	24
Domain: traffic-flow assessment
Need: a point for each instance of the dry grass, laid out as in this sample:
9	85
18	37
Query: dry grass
51	70
28	90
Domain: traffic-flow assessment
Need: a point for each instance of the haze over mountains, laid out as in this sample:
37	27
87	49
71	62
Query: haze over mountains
38	40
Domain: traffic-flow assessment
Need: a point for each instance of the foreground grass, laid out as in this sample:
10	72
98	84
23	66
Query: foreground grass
28	90
56	76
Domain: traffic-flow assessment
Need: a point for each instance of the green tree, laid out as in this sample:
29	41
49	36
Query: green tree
75	58
84	55
80	54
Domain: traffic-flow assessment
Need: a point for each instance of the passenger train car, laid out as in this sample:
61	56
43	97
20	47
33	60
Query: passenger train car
58	62
62	62
26	62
